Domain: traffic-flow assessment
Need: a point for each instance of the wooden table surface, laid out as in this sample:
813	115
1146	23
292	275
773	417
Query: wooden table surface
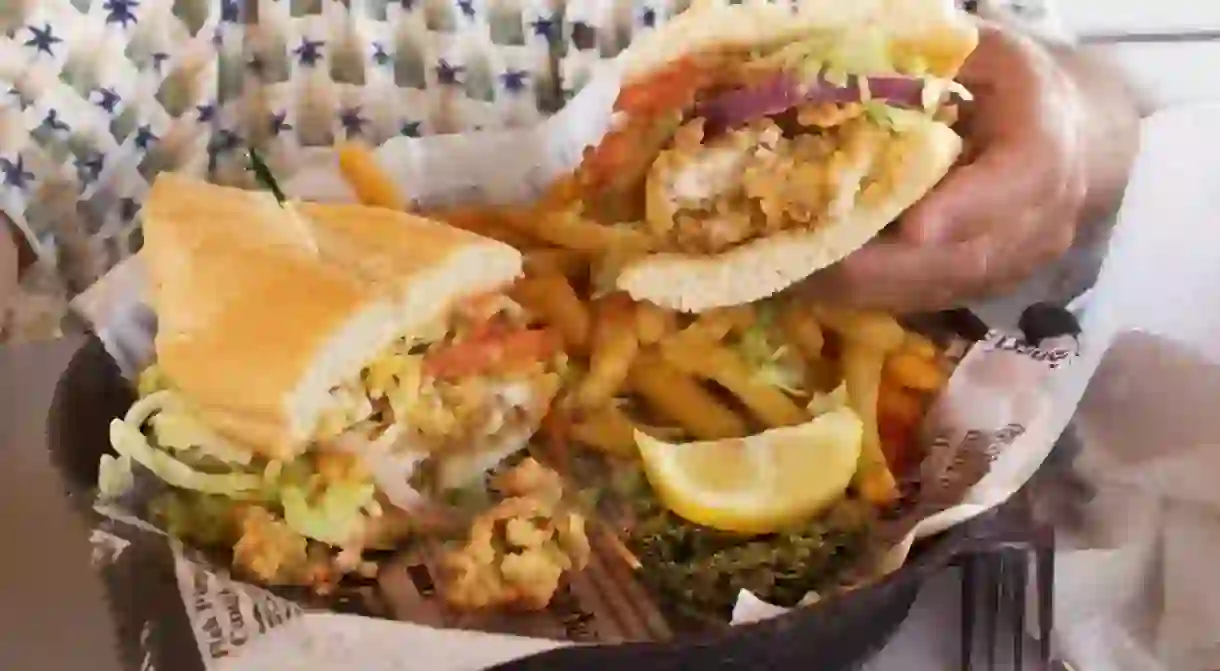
53	613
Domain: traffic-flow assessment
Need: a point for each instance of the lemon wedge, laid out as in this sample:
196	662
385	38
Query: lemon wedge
758	484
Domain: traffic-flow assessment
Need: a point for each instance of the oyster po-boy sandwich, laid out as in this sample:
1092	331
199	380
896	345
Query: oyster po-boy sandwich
756	144
320	369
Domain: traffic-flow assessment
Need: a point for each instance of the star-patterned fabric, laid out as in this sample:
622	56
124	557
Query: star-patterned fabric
98	96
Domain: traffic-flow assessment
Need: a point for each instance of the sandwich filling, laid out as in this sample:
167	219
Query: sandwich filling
432	412
723	148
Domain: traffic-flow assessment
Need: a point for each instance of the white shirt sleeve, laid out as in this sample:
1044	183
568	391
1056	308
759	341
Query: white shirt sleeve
1038	17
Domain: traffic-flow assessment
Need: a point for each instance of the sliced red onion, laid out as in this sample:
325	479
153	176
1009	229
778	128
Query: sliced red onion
783	92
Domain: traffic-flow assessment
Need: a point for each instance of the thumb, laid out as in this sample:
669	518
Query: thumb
967	196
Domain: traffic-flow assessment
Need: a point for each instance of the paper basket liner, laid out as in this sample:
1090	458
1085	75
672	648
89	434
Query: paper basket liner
98	97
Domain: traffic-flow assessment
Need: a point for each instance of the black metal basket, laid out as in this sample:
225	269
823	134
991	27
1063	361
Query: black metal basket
839	633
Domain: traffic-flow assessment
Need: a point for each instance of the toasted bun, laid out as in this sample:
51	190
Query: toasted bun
919	158
937	30
256	323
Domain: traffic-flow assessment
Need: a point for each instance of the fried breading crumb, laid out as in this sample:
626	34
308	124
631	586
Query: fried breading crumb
517	551
268	549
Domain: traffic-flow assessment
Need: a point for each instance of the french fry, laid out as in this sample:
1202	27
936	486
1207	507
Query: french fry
862	372
608	429
555	302
716	325
802	330
899	404
913	372
919	345
370	182
653	322
614	348
680	399
709	360
569	230
878	330
561	262
487	223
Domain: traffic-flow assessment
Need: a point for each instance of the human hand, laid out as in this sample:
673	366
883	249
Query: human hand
1010	206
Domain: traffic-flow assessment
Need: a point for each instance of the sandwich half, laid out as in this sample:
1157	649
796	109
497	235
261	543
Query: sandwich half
757	144
323	368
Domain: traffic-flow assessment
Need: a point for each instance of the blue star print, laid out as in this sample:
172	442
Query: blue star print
206	113
230	11
279	123
352	122
310	52
648	17
514	80
448	75
121	11
145	138
410	129
108	100
90	169
53	123
466	7
15	174
583	36
380	57
43	40
128	209
544	28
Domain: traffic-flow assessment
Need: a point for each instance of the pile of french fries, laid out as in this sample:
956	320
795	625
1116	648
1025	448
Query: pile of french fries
679	377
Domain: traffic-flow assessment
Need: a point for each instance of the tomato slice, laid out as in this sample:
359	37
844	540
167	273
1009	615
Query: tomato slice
666	90
492	351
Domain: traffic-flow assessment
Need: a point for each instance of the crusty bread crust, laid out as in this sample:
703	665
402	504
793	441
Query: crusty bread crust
256	324
917	160
937	30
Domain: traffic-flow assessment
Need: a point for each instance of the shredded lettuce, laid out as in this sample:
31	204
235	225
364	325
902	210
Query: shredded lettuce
150	381
771	362
114	476
129	442
833	56
176	430
822	403
204	519
894	119
335	517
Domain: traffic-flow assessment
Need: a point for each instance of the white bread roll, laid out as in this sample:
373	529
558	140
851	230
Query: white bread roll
256	324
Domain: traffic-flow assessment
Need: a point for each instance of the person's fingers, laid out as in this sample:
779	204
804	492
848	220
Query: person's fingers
1002	180
902	276
898	275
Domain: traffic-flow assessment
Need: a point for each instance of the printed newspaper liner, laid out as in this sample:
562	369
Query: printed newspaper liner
986	435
